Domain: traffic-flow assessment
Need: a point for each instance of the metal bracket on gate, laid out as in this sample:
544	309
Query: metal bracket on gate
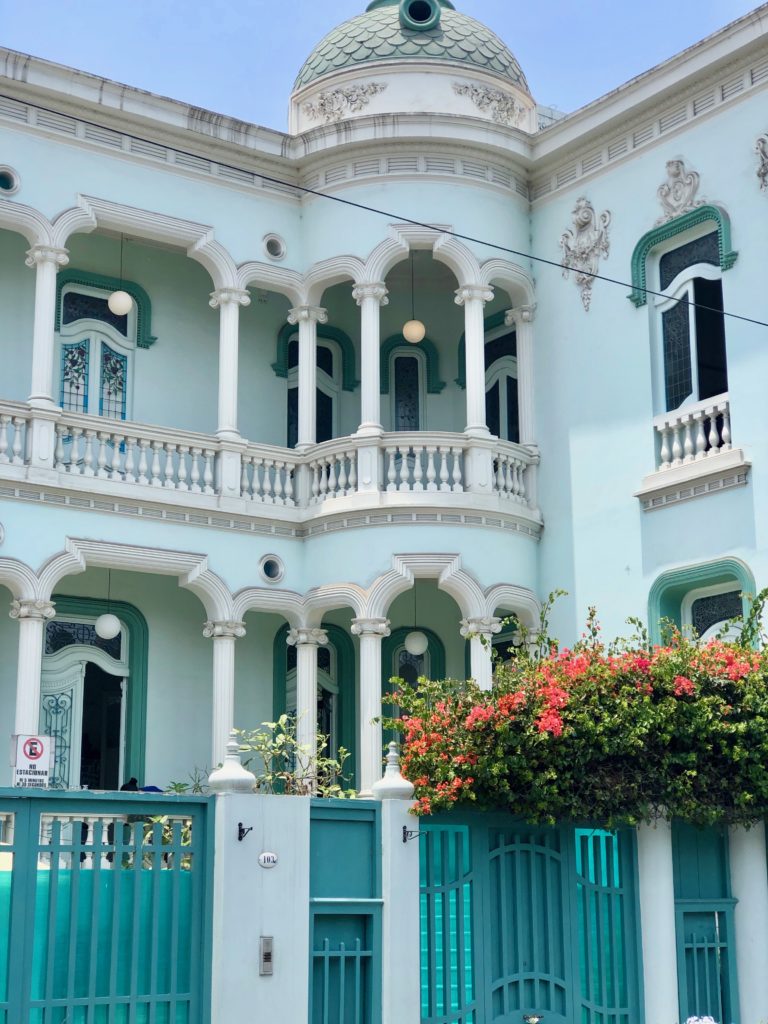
242	831
409	834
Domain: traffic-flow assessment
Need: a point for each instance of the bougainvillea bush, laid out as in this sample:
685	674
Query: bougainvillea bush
618	732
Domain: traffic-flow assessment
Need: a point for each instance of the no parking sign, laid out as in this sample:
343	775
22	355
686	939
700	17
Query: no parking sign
33	761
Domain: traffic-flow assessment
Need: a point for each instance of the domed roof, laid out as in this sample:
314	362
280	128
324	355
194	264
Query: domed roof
381	33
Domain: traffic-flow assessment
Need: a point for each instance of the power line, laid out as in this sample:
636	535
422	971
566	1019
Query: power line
421	224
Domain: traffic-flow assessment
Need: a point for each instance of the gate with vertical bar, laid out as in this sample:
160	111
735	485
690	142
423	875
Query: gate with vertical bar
519	920
104	908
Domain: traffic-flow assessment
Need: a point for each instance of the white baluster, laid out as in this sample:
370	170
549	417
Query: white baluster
182	474
4	421
352	487
208	471
513	472
245	488
500	481
458	484
279	483
169	481
289	471
418	472
143	461
444	485
194	475
18	436
522	495
714	437
405	469
431	471
154	472
268	481
332	476
342	484
701	438
129	466
677	448
116	472
315	484
726	413
665	453
101	458
74	453
688	443
256	479
323	479
391	474
90	436
59	453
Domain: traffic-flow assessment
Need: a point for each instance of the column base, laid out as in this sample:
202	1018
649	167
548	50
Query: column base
369	430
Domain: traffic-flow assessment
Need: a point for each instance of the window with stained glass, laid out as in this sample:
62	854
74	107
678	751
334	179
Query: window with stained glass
75	358
407	393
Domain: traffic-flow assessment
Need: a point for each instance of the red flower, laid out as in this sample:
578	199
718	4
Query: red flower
684	687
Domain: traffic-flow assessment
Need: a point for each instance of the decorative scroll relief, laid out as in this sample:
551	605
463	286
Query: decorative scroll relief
761	148
678	193
502	108
584	245
336	104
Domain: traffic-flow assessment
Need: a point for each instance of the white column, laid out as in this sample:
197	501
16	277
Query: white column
521	318
370	298
749	884
32	617
473	298
371	633
47	261
228	301
481	632
224	635
306	641
657	921
307	317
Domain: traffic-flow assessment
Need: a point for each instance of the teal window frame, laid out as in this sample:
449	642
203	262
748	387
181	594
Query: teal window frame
349	381
138	659
431	356
668	590
664	232
72	276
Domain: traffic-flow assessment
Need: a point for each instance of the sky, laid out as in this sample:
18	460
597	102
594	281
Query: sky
241	58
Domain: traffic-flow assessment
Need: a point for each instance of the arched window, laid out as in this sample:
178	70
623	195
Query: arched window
701	597
501	396
328	386
96	352
691	363
407	394
708	610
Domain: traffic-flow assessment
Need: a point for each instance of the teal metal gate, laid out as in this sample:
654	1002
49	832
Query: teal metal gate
104	909
519	920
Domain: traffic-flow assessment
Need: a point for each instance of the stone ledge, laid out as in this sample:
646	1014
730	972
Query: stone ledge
693	480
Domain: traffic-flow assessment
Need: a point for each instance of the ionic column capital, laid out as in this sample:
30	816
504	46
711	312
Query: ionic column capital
478	292
520	315
229	296
371	627
305	637
308	314
30	609
224	628
373	290
486	626
46	254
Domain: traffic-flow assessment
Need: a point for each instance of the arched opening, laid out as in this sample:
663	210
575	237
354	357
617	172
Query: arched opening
17	301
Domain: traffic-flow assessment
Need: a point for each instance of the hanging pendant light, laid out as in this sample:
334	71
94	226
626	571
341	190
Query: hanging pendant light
416	642
120	302
108	625
414	330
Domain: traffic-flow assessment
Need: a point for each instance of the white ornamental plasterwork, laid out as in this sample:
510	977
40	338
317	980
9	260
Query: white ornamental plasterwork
503	109
761	148
584	245
336	104
678	193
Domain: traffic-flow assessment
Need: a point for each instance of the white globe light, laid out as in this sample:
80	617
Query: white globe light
414	331
107	627
120	303
416	643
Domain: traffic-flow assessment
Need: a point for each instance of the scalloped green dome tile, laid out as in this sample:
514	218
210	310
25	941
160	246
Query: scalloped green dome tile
378	35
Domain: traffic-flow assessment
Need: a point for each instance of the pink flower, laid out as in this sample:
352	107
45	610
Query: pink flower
684	687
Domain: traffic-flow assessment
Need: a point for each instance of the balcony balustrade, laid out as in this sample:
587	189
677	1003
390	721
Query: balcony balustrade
98	454
693	433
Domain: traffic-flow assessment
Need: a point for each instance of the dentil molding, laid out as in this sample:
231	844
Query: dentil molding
584	245
679	192
335	104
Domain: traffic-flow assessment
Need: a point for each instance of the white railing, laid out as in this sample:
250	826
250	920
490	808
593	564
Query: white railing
13	427
693	433
332	470
132	454
510	465
268	477
423	462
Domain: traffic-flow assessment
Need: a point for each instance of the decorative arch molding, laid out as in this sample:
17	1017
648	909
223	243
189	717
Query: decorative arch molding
491	323
658	235
144	336
405	237
349	379
301	612
667	591
192	570
272	278
512	278
198	240
331	272
447	569
345	665
518	601
138	660
26	221
431	357
19	579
